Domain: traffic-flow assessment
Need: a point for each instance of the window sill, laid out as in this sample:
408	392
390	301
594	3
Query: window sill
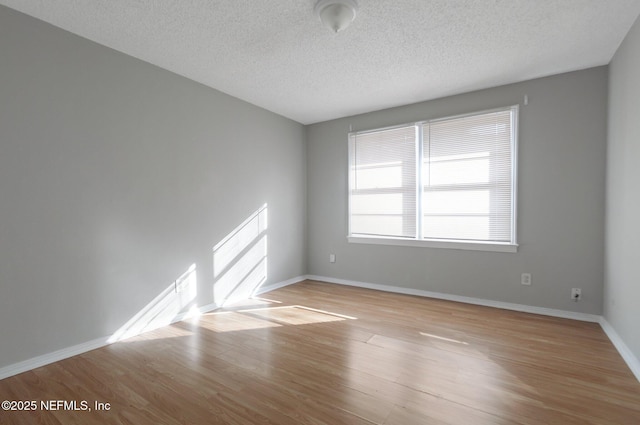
468	246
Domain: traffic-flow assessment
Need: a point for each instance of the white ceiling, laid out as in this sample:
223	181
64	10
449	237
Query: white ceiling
277	55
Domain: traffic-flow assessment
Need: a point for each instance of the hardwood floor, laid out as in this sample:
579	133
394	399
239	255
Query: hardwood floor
316	353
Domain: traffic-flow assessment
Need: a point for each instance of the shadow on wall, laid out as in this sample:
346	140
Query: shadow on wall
240	260
176	302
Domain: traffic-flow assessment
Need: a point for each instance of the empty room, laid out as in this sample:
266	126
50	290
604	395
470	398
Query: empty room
320	212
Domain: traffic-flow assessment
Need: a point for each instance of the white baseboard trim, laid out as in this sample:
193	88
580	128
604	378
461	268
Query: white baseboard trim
64	353
279	285
53	357
468	300
209	308
626	353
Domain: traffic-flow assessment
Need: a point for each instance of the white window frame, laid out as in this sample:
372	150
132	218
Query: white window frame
511	246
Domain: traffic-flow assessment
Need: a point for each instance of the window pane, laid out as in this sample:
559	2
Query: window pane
467	172
388	203
443	227
384	175
383	183
457	180
377	225
457	169
457	202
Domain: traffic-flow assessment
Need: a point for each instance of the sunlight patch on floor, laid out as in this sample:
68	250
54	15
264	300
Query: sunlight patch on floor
441	338
267	317
297	315
252	302
229	321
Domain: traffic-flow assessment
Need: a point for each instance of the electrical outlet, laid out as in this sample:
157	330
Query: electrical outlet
525	279
332	258
576	294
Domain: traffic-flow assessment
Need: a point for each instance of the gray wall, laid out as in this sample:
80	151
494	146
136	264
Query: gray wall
116	176
562	145
622	284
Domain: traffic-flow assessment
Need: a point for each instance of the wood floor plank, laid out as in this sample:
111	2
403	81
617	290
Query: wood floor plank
321	354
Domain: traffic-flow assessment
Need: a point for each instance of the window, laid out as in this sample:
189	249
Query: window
448	182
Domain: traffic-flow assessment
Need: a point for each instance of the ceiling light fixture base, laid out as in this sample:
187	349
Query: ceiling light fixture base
336	14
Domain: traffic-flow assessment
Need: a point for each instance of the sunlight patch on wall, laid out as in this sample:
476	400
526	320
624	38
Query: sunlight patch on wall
172	302
240	260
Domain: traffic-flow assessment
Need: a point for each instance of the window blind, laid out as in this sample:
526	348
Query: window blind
383	183
467	178
449	179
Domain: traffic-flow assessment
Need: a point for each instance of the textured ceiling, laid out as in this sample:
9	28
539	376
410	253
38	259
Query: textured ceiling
277	55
